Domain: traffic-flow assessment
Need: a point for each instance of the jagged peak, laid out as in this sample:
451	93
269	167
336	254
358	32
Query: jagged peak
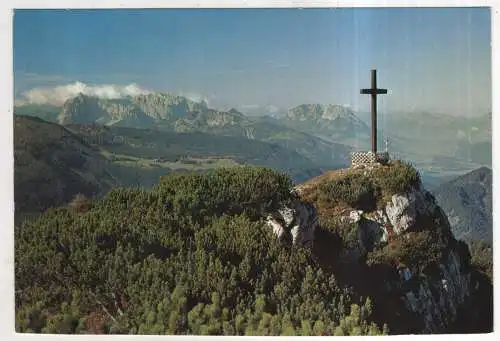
79	99
159	96
323	112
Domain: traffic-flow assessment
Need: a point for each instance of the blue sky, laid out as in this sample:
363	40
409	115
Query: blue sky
430	59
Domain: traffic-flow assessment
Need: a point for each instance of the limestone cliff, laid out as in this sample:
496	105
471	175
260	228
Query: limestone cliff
80	109
435	296
296	223
135	111
396	243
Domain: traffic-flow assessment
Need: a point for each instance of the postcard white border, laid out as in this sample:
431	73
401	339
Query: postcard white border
6	139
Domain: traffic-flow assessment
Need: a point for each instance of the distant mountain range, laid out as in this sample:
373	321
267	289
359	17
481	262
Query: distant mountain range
441	145
334	122
467	201
173	113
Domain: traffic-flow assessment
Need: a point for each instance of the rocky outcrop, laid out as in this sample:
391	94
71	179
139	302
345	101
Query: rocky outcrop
398	216
397	249
80	109
435	298
295	223
166	106
403	209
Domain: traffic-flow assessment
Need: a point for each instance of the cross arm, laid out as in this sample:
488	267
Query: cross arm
371	92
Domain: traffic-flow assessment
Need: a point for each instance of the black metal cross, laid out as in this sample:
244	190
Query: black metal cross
374	92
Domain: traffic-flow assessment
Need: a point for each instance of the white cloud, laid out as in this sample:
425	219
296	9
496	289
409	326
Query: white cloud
272	109
59	94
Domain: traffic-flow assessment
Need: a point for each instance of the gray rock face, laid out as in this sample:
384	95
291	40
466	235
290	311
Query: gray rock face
296	222
80	109
356	216
403	209
142	109
398	216
371	230
278	229
435	298
165	106
306	221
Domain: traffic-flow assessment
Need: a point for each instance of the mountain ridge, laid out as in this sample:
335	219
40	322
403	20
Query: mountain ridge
337	133
169	112
330	120
467	200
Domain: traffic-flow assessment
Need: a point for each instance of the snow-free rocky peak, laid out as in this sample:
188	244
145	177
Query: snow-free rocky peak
391	229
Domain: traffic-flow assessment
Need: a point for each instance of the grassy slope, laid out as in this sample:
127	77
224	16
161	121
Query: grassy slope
52	165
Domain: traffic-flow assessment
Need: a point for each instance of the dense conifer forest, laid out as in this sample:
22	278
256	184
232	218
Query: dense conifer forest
191	256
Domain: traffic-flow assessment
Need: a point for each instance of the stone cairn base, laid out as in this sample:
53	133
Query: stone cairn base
359	159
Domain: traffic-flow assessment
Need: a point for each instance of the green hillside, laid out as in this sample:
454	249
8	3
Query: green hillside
195	256
54	163
194	264
51	165
468	203
194	150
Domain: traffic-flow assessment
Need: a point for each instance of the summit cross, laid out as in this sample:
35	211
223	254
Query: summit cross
374	91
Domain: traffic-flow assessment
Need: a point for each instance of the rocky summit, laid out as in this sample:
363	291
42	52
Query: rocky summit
242	251
393	235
